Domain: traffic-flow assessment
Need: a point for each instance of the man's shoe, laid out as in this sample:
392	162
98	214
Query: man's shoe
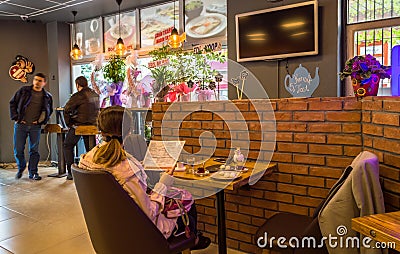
69	177
18	175
35	177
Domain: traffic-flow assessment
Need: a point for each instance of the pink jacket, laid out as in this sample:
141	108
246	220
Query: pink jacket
131	176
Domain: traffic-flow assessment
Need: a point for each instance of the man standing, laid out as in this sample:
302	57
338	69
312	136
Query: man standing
30	107
81	109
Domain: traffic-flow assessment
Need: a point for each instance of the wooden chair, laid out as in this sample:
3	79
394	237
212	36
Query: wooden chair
116	224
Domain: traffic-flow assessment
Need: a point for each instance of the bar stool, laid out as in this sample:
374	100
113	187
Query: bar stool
88	130
57	128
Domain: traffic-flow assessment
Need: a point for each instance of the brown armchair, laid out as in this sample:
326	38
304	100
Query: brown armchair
116	224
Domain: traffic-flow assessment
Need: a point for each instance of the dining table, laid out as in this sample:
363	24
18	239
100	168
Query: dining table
383	227
213	184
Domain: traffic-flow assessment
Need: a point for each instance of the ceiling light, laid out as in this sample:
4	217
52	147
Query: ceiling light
119	48
76	52
175	40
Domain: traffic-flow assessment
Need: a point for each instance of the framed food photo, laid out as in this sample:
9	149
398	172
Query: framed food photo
112	31
89	36
156	19
205	19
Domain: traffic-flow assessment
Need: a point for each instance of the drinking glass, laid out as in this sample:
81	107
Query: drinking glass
190	162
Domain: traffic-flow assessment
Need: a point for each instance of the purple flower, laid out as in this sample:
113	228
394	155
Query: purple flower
360	67
355	66
363	67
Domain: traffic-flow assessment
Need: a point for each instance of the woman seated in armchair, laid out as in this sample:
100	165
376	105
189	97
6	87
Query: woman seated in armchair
110	156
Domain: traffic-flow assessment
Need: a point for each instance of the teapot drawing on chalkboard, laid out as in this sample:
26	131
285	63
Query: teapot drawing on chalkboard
301	84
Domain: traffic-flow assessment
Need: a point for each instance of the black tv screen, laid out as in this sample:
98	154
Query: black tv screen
276	33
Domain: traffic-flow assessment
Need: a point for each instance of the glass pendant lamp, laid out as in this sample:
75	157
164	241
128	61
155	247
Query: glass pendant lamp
119	48
76	52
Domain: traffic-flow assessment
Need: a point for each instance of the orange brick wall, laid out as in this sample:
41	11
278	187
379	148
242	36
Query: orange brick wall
316	138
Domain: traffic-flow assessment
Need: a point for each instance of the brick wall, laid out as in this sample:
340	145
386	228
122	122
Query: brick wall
316	138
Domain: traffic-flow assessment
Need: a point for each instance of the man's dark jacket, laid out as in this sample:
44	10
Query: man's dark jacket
21	100
82	108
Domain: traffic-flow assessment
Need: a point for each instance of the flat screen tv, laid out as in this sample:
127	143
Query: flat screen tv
277	33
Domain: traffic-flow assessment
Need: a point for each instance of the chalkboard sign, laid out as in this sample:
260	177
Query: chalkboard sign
300	84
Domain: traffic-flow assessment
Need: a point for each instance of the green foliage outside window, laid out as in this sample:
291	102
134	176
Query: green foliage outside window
184	66
114	70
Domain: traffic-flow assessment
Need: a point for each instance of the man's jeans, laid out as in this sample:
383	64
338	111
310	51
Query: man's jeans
21	132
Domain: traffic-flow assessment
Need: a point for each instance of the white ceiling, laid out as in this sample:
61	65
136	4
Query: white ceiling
60	10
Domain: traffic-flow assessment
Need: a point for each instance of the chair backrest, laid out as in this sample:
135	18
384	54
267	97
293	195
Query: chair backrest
135	145
115	222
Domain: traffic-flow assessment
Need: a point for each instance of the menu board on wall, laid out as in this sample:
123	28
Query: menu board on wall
156	19
205	19
89	36
113	31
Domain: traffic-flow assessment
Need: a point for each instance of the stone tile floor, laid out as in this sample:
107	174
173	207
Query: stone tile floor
45	216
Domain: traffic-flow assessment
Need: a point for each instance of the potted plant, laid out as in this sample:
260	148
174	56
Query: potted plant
365	73
187	67
114	72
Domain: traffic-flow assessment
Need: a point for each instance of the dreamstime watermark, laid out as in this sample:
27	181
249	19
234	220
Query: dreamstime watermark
331	241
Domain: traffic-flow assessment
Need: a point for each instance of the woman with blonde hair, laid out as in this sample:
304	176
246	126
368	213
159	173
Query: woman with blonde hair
110	156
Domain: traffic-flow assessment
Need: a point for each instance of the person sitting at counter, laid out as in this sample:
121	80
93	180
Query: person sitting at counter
111	157
81	109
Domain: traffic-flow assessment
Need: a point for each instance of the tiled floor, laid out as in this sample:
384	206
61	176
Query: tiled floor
45	216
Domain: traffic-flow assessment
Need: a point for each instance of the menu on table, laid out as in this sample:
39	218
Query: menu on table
162	155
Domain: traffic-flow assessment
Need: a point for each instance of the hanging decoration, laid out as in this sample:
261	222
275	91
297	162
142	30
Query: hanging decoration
301	84
20	68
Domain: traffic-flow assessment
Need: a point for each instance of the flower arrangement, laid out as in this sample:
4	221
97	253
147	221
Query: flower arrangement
180	92
360	67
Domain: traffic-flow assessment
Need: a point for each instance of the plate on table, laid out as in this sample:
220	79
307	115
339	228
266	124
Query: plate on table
226	175
206	25
213	168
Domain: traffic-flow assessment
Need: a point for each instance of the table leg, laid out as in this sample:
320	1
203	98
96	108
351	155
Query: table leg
92	142
221	222
61	160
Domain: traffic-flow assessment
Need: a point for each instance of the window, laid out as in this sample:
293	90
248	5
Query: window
370	10
373	27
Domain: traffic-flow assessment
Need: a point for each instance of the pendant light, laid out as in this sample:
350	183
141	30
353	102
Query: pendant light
175	40
76	52
120	48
